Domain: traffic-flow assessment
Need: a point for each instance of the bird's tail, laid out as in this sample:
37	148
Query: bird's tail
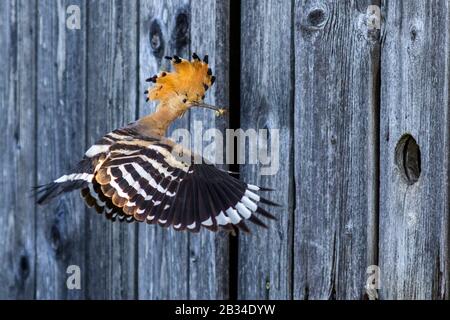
66	183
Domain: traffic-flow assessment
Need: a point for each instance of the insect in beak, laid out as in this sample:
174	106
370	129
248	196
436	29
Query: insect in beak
219	111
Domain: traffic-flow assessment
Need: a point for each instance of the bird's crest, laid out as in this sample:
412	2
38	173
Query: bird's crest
189	80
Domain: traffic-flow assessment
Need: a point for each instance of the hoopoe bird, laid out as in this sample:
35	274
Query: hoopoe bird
134	174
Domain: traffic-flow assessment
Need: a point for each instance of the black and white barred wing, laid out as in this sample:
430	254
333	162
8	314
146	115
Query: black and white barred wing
149	182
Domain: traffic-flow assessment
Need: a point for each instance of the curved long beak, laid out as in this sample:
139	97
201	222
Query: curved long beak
219	111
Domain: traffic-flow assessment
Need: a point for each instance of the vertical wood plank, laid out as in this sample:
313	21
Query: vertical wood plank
336	110
111	103
61	142
17	149
209	252
264	262
414	218
176	265
163	253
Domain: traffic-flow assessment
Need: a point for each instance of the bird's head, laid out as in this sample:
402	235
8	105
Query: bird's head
183	88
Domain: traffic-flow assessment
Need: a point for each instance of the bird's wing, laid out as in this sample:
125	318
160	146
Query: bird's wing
147	180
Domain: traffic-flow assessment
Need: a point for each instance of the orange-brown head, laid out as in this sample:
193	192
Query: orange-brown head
183	88
176	92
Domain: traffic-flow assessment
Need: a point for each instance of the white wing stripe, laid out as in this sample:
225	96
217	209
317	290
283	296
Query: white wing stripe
151	181
191	226
222	219
127	176
117	187
97	149
243	210
207	222
252	195
170	159
252	187
117	136
234	216
249	204
75	176
155	164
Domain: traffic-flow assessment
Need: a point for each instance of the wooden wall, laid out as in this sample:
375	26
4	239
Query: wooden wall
353	104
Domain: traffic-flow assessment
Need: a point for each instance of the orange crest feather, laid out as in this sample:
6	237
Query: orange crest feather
190	79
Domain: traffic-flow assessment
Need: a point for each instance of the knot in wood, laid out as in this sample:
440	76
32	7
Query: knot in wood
156	39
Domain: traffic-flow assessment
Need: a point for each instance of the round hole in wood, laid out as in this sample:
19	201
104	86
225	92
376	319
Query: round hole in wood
408	159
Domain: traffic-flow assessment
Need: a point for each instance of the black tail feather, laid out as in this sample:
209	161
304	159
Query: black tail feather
271	203
265	213
47	192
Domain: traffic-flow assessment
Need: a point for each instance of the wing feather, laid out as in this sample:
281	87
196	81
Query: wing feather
141	178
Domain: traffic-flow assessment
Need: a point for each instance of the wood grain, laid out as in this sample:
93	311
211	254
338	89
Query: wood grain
111	103
163	253
17	149
209	252
267	86
61	87
336	112
414	218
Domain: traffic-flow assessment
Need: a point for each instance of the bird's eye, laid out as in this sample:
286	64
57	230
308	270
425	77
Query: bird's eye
184	100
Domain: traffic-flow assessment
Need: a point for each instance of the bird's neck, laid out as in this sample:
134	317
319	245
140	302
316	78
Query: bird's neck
159	121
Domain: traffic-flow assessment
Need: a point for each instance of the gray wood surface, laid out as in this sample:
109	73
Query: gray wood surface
267	86
17	148
336	110
60	226
163	253
111	103
414	218
209	252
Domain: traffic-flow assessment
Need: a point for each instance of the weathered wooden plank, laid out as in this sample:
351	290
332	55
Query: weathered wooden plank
336	59
267	85
209	252
163	253
111	103
414	216
61	142
17	149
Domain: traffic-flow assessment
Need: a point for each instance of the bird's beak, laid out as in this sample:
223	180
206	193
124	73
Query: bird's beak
219	111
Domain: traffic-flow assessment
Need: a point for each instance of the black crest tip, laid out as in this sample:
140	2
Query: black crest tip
177	59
